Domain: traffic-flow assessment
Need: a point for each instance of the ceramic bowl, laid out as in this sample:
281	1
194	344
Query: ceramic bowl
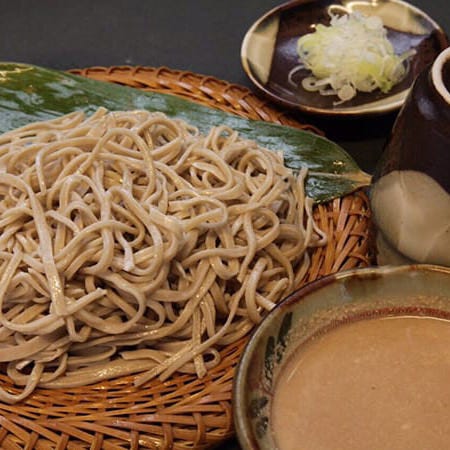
269	52
404	290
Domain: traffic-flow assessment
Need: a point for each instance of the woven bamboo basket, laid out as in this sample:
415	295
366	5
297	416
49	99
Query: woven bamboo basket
183	412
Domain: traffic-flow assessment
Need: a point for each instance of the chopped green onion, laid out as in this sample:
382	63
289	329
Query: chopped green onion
352	54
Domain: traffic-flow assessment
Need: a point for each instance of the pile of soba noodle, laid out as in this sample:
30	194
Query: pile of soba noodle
130	243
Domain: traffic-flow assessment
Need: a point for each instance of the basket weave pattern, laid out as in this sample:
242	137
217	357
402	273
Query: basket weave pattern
183	412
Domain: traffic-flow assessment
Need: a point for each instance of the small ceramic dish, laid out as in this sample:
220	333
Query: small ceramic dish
346	297
269	52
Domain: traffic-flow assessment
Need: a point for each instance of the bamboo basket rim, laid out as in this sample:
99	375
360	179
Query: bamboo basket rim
183	412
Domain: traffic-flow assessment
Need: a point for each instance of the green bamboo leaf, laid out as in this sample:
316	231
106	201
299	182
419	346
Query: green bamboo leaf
30	93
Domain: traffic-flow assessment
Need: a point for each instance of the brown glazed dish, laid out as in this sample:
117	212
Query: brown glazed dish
269	52
317	310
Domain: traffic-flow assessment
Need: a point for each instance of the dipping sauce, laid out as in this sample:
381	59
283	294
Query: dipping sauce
374	384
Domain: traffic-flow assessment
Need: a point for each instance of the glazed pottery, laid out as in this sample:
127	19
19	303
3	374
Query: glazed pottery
410	195
415	290
269	52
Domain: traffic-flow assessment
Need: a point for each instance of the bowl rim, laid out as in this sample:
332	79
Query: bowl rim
437	76
241	421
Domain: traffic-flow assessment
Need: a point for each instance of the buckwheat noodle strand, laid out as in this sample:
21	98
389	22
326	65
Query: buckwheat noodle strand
132	244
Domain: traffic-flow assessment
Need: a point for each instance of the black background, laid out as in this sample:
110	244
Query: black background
203	36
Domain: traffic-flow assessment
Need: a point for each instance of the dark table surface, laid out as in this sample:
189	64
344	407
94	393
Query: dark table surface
203	36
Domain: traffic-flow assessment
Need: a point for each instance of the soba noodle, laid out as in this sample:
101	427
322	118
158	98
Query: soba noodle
130	243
